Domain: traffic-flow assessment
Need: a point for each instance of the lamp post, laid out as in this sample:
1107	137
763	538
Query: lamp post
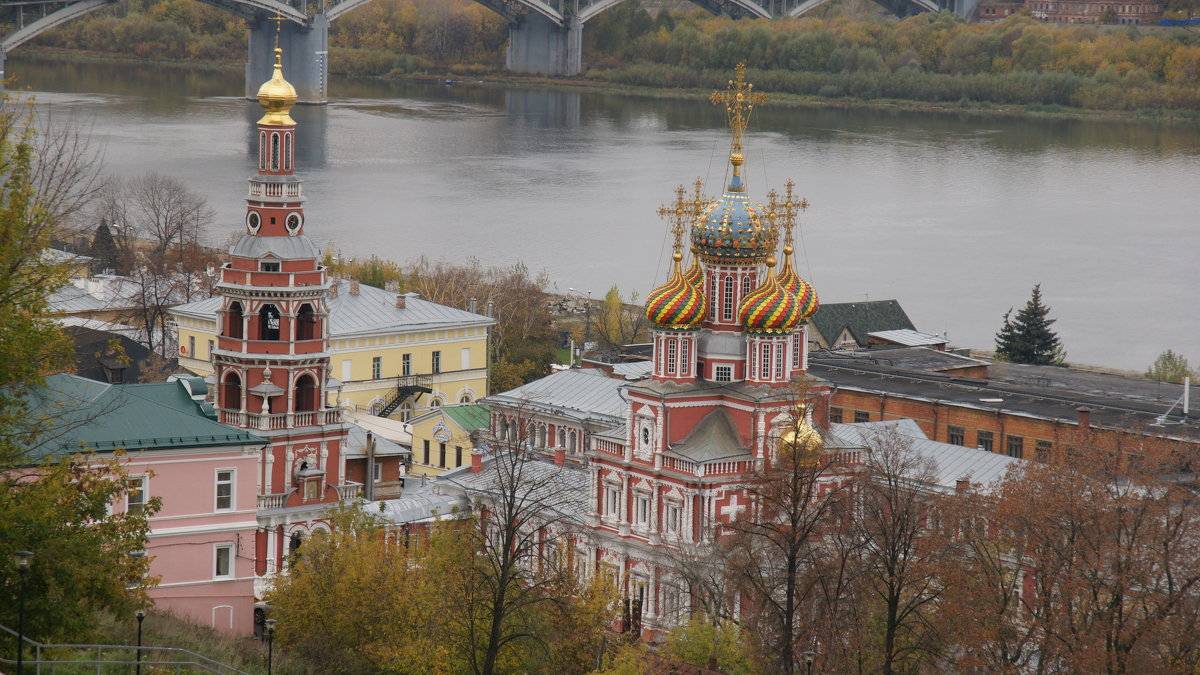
141	616
809	657
270	643
21	559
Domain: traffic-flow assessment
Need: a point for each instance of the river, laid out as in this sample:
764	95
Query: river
957	216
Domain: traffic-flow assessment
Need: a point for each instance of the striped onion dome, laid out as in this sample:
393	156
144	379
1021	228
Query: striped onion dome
676	305
769	309
694	274
792	283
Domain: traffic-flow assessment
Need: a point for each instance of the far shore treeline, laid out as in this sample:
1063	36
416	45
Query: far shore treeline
935	58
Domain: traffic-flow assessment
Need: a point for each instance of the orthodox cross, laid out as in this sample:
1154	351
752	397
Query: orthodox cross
786	210
677	213
278	19
739	99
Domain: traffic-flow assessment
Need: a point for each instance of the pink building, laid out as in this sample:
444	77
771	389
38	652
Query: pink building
201	542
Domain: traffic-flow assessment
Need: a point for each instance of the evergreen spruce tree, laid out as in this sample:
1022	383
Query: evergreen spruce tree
1028	338
104	251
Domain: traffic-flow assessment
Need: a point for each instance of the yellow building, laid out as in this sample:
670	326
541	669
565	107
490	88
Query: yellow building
442	438
392	354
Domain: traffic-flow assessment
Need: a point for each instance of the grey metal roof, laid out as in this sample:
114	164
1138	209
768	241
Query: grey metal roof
356	444
907	358
285	248
418	503
950	462
634	370
372	310
558	491
908	338
713	438
579	394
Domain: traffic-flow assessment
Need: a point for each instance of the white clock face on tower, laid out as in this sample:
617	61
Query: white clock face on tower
293	222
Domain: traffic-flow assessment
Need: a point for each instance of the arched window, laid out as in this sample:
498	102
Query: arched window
562	437
574	442
685	358
465	399
727	301
795	350
306	394
712	296
435	403
306	323
262	150
671	356
287	152
764	368
274	152
231	392
745	286
268	323
406	411
233	321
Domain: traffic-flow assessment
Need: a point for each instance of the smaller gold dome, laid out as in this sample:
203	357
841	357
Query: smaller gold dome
801	439
277	96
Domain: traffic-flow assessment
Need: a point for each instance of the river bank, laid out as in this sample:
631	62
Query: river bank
593	85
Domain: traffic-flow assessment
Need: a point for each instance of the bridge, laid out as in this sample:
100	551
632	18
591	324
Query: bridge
545	36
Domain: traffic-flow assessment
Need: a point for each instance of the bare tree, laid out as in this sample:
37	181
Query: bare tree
168	217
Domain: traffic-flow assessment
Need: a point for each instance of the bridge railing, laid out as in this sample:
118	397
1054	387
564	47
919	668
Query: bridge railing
50	658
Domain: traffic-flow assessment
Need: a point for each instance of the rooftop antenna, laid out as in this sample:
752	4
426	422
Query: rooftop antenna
1184	401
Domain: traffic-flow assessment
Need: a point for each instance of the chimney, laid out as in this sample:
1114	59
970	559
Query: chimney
560	457
474	305
354	287
400	300
391	285
1085	417
476	461
961	485
333	288
491	308
369	492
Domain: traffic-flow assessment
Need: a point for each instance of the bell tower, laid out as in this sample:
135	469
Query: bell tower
272	359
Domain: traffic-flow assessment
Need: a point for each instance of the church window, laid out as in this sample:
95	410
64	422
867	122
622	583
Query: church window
435	403
233	321
712	296
796	350
287	152
685	361
764	362
442	455
779	362
574	441
306	323
745	286
612	501
562	437
274	152
262	151
723	373
406	412
670	356
727	300
306	394
231	392
641	510
671	518
268	267
465	399
268	318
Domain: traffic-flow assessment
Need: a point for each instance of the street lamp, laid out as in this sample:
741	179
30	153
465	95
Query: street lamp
21	559
809	657
270	643
141	616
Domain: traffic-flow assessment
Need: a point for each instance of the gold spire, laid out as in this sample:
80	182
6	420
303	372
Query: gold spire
739	99
277	96
802	441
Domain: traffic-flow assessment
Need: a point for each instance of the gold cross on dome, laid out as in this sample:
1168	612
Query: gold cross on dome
739	99
677	213
278	19
787	209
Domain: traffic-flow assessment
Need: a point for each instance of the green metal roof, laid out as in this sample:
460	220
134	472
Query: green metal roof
469	417
860	317
82	414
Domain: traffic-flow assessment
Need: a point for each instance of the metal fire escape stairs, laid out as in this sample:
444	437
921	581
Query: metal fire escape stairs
407	386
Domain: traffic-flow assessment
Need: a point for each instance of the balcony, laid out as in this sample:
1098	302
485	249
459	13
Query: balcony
278	421
348	491
731	468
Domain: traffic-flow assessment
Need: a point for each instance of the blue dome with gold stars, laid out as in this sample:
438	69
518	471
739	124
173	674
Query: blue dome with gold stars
733	230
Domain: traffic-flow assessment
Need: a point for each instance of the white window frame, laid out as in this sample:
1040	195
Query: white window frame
217	483
722	369
218	551
376	367
642	510
378	471
672	516
465	358
143	492
612	501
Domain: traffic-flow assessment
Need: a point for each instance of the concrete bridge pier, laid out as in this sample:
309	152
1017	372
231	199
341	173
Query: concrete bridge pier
538	45
305	57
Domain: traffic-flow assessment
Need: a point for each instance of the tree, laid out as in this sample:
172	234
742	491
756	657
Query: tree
1028	338
704	642
1171	367
56	508
618	323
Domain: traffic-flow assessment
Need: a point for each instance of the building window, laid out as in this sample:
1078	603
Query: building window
274	152
406	412
612	499
211	346
225	490
984	440
712	294
1016	446
435	403
312	489
685	358
764	362
641	510
376	367
436	366
465	399
956	435
192	346
745	286
426	448
442	455
223	567
727	301
135	494
862	416
1043	451
406	364
457	456
835	415
779	361
672	516
464	358
671	356
268	267
723	373
262	151
287	152
378	473
796	350
268	318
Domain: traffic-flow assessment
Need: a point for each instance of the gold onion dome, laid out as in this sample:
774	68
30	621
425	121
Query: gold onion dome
694	274
277	96
677	304
792	283
769	309
801	438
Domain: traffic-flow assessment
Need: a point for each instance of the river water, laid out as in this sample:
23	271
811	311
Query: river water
954	215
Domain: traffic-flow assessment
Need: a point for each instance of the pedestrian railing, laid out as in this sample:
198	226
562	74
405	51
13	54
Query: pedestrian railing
73	659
